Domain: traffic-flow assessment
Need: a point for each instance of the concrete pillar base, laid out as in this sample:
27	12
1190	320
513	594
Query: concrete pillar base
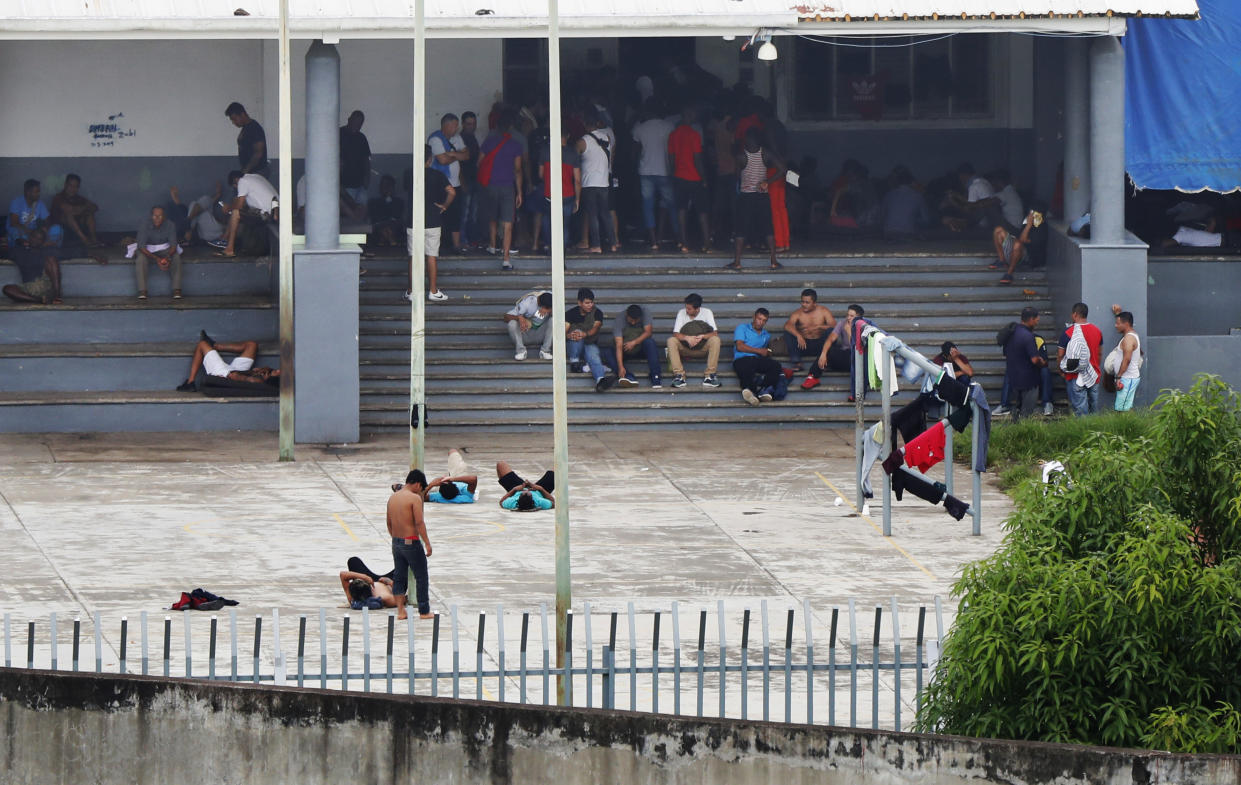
325	339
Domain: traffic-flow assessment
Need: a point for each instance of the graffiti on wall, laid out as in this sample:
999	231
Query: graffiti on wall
107	133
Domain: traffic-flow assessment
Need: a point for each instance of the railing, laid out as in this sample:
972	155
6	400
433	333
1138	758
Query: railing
779	678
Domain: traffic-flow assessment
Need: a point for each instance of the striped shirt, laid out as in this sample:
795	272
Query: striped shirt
755	172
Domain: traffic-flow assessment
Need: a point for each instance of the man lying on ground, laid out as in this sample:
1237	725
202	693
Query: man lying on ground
240	369
360	587
522	495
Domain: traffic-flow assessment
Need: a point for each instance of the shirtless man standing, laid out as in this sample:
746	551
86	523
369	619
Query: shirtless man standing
407	527
806	330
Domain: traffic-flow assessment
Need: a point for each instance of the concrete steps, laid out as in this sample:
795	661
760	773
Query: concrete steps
472	380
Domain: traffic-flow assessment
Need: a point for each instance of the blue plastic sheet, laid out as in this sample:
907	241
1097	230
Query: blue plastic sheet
1182	97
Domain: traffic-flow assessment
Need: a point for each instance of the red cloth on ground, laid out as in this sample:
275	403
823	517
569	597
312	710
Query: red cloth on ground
927	449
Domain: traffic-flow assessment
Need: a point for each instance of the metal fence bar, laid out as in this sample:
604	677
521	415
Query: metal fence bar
918	660
702	639
435	656
503	675
590	657
676	659
409	653
546	656
568	658
98	643
167	645
258	637
896	664
719	612
145	658
852	664
805	612
831	669
655	663
633	659
189	648
874	677
124	644
30	645
301	648
322	648
366	649
788	668
344	652
456	655
279	667
478	660
232	626
766	664
8	641
525	630
211	644
52	626
77	643
745	663
612	665
388	641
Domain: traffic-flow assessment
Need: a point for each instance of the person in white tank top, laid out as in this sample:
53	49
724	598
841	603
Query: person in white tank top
1126	359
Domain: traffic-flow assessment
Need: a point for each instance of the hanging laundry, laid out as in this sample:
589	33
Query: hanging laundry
904	480
983	424
909	420
952	391
960	418
885	360
872	446
894	461
927	449
955	507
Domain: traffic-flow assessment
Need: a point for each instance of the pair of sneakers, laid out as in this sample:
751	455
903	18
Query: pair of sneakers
628	380
764	395
435	296
710	380
521	354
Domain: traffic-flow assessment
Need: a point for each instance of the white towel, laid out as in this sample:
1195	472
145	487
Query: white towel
131	250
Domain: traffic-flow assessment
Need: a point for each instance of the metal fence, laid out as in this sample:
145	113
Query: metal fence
859	671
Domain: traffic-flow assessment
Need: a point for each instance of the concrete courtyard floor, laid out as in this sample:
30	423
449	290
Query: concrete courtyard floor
123	523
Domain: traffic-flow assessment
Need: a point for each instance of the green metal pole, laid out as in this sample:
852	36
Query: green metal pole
560	400
286	240
417	315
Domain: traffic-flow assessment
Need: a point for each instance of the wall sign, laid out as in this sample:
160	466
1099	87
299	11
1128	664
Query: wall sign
109	132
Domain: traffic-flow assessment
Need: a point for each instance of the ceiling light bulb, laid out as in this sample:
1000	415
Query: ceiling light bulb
767	51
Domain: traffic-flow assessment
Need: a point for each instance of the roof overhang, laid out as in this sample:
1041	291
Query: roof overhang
338	19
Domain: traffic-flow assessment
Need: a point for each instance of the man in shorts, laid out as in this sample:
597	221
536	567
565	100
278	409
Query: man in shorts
411	545
501	174
459	486
439	198
524	496
240	369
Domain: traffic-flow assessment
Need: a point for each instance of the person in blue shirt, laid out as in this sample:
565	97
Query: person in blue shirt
762	379
28	213
524	496
452	490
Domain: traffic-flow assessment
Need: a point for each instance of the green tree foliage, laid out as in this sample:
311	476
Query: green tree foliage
1112	612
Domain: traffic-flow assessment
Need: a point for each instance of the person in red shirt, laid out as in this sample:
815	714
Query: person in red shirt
1083	399
688	185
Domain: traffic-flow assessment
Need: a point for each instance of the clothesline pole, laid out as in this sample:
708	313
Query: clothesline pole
886	368
976	501
859	426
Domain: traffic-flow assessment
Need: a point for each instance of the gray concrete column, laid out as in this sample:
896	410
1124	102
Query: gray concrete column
322	147
1107	141
1076	128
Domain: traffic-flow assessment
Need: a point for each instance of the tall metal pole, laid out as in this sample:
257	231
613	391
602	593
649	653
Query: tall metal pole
560	399
417	262
286	240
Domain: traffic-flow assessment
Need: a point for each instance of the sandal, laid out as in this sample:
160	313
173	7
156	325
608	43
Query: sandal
683	248
176	294
224	255
733	266
142	295
776	265
1007	279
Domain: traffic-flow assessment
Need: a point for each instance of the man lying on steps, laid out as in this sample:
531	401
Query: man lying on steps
240	369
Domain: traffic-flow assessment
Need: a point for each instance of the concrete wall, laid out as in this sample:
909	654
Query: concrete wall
1194	297
171	96
77	728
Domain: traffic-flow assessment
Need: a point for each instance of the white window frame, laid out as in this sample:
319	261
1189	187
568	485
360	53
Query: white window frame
999	56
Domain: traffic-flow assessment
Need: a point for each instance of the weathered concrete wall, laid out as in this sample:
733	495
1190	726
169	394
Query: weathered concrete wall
59	728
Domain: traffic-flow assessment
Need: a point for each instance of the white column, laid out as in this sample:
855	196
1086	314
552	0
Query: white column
1107	141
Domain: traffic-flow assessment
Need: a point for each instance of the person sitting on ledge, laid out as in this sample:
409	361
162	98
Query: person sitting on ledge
522	495
39	266
75	212
240	369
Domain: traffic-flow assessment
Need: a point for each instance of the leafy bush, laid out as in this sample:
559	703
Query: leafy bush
1112	612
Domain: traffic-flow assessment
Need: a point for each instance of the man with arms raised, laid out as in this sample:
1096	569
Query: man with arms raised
806	330
409	536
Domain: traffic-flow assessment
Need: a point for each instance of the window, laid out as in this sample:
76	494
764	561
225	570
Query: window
879	79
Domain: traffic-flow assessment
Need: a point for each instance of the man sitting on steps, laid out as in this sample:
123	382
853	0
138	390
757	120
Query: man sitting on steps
694	334
240	369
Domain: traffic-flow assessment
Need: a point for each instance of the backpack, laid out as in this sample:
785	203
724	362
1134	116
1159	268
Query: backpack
489	161
1005	334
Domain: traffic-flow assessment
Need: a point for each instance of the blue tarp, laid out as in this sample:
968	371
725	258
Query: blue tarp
1182	99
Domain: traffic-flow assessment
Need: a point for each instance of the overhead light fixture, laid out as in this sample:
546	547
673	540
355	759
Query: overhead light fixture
767	51
730	38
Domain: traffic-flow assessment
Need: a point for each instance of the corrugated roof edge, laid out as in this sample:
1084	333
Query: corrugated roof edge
805	15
